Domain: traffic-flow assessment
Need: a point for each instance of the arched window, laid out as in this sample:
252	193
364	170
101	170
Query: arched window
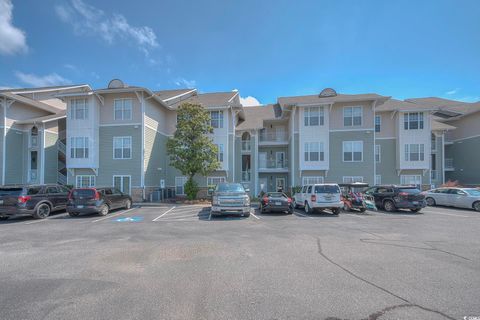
34	136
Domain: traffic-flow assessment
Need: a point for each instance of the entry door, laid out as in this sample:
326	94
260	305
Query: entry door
280	184
280	157
262	159
263	184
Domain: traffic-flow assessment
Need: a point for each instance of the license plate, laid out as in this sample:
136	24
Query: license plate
278	203
79	207
1	202
415	202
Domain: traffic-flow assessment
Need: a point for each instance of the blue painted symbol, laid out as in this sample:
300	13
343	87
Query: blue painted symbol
130	219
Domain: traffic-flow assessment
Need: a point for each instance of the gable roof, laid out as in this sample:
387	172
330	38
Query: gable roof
398	105
214	99
38	104
316	99
447	108
254	117
172	93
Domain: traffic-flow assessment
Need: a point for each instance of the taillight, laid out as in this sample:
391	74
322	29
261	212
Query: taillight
70	195
289	200
313	198
23	199
265	199
97	195
403	194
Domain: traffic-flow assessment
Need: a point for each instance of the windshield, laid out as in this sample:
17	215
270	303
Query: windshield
327	189
276	194
409	190
10	191
230	187
83	193
473	192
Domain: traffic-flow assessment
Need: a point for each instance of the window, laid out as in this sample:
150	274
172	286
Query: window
352	179
413	120
352	151
411	179
309	189
314	116
378	151
378	179
85	181
414	152
378	123
52	190
123	109
213	181
122	147
314	151
122	183
79	109
352	116
312	180
79	147
216	119
180	185
220	152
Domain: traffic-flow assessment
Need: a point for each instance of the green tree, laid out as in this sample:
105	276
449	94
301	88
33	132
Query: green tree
191	150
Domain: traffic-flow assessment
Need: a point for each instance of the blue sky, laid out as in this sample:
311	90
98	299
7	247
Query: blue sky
265	49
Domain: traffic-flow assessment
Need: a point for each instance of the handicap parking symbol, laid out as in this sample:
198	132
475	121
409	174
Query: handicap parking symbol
129	219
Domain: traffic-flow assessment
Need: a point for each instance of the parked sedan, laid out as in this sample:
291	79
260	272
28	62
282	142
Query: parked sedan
96	200
276	202
454	197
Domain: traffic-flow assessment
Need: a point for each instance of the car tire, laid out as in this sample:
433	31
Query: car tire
103	210
476	206
42	211
295	205
246	215
336	211
389	206
73	214
128	204
363	209
3	218
430	202
346	208
416	210
307	208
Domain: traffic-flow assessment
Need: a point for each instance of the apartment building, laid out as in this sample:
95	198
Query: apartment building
33	131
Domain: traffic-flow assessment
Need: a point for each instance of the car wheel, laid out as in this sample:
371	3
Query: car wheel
307	208
295	205
3	218
74	214
336	211
103	210
346	208
246	214
430	202
389	206
128	204
476	206
416	210
363	209
43	211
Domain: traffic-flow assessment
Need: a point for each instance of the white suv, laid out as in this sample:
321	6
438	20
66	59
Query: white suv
318	197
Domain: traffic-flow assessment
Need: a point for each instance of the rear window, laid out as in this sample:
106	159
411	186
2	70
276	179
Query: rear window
83	193
473	192
409	190
327	189
10	191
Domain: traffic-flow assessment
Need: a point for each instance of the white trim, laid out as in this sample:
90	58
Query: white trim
184	178
113	147
224	179
90	180
466	138
353	178
236	94
4	139
361	116
355	129
123	176
343	151
122	109
51	89
142	151
50	131
384	138
120	124
42	156
404	176
177	96
161	132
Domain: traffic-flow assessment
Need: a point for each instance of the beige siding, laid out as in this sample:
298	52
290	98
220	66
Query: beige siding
387	127
159	118
20	111
156	158
52	126
107	109
336	116
468	126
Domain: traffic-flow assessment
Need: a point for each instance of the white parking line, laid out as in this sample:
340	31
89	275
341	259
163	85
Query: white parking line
43	220
164	213
447	214
253	214
113	215
301	214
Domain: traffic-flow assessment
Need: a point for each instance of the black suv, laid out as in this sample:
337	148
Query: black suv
96	200
392	197
35	200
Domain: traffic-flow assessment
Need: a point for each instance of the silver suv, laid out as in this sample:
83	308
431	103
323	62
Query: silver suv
230	198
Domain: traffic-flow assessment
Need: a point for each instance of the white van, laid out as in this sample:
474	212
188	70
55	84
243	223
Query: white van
318	197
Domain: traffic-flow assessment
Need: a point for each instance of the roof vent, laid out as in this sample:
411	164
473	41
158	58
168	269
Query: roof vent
116	84
327	92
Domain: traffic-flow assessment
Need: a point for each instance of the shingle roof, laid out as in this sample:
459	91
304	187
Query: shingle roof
35	103
60	115
394	104
167	94
216	99
458	107
311	99
437	125
254	117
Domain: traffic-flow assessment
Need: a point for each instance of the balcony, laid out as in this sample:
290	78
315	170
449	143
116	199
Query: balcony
273	166
273	138
246	146
246	176
449	165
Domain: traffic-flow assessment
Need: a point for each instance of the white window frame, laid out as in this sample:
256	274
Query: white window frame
355	111
76	106
420	153
378	179
211	180
312	148
181	179
74	150
407	120
218	119
220	153
379	124
79	178
306	180
310	113
123	148
352	179
352	143
122	177
123	108
416	177
378	153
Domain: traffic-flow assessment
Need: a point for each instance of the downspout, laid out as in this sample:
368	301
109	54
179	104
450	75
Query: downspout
42	156
293	148
233	143
142	164
4	138
374	143
257	177
443	157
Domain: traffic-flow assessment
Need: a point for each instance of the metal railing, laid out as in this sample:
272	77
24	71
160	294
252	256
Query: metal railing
61	147
273	137
246	146
61	178
273	164
246	176
449	164
61	165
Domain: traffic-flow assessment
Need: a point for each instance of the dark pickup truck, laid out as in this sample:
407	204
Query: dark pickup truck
35	200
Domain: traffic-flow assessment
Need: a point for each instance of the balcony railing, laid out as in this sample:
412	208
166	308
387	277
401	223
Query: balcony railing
246	176
273	164
246	146
61	179
61	147
273	137
449	164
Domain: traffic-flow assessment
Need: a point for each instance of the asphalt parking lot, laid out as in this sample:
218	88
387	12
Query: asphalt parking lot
177	262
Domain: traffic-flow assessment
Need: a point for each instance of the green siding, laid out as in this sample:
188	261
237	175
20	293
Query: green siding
1	152
466	157
339	169
14	157
51	158
155	157
271	180
296	173
388	161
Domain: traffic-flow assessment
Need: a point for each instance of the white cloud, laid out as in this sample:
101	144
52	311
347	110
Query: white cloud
89	20
249	101
452	92
52	79
181	82
12	39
